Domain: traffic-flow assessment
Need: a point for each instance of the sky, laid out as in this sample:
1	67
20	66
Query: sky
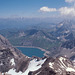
37	8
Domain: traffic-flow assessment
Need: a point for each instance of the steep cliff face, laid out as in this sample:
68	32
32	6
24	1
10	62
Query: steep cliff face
11	57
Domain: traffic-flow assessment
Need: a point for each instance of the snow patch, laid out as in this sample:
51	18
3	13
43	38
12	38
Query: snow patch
64	66
61	24
12	61
51	65
62	58
70	69
74	62
13	72
1	64
58	37
59	70
34	65
67	31
61	62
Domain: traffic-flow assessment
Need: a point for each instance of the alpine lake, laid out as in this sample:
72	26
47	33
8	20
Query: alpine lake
31	51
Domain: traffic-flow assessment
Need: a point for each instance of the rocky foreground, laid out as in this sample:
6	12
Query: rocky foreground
13	62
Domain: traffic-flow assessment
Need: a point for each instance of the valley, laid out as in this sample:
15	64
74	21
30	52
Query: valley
51	41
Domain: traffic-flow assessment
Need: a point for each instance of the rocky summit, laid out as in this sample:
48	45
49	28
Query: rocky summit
13	62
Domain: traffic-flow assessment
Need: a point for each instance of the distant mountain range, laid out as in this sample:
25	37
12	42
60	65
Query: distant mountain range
32	37
63	31
13	62
53	40
27	23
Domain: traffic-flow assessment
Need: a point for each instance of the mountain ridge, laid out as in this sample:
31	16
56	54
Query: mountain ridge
12	61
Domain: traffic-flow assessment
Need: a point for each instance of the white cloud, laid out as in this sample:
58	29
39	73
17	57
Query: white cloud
67	11
46	9
69	1
63	10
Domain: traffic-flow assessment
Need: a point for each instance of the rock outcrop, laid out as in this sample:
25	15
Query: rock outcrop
11	57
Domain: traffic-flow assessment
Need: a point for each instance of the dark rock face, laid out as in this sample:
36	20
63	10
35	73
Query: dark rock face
8	52
30	73
22	64
69	44
46	71
4	42
5	56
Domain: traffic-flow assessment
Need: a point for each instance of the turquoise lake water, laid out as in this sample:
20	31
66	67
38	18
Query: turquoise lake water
31	51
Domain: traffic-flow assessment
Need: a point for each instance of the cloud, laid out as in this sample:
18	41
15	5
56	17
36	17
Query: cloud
46	9
67	11
69	1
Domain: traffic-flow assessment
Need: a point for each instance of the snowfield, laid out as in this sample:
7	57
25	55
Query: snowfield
33	66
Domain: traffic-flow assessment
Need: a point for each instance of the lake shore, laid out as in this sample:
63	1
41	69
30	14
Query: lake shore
45	54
